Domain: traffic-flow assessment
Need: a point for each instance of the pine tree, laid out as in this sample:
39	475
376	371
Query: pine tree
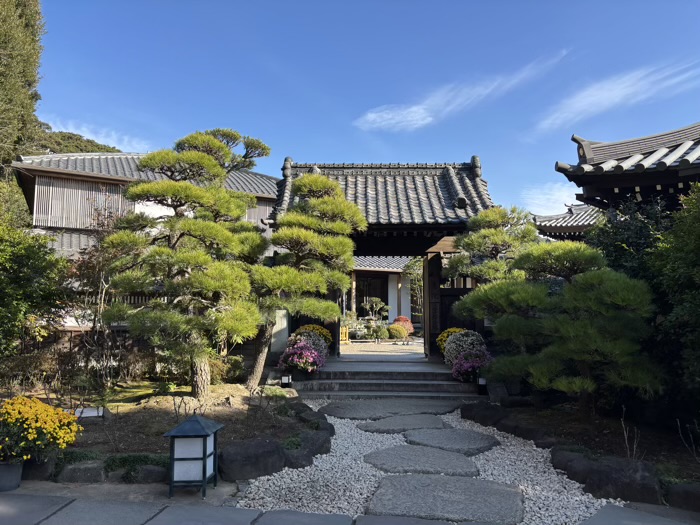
576	324
316	260
495	236
193	261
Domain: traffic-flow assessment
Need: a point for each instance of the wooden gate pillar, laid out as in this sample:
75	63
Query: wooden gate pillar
432	270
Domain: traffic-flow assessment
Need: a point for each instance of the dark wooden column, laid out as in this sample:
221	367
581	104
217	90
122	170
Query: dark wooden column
432	269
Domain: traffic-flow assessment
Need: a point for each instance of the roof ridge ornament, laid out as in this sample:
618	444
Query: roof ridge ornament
476	166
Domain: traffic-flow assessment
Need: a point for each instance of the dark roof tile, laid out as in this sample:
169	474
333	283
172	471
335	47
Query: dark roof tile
126	165
393	194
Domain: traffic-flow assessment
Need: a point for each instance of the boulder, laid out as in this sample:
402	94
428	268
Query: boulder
312	444
612	477
507	424
150	474
528	431
251	458
684	496
579	469
116	476
83	472
483	412
310	416
325	426
560	457
546	442
299	408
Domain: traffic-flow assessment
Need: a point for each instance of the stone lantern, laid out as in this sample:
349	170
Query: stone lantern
193	453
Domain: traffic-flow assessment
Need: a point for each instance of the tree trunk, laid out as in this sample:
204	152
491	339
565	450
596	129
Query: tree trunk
201	376
262	346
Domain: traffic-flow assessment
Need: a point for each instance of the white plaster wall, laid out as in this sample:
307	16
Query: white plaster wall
393	296
152	210
280	333
405	296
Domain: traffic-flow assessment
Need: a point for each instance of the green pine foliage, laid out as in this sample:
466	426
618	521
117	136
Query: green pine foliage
317	256
574	325
193	263
495	236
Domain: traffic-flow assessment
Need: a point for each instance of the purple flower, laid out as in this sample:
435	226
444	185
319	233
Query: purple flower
468	364
301	356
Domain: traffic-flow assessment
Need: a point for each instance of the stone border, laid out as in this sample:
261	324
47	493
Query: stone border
252	458
604	477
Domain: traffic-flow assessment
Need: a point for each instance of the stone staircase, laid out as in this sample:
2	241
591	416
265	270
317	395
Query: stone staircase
373	378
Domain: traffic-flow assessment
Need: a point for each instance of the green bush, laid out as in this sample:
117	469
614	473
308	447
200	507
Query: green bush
444	336
327	337
164	388
396	331
228	369
378	332
466	341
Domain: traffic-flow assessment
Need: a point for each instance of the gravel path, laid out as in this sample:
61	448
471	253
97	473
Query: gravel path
550	498
341	482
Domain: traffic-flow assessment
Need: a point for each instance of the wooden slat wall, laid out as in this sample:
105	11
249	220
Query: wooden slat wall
70	203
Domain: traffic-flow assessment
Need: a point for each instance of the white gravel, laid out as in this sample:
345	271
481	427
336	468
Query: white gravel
341	482
550	497
337	483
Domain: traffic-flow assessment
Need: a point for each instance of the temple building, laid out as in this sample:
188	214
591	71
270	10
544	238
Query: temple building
571	225
660	165
412	210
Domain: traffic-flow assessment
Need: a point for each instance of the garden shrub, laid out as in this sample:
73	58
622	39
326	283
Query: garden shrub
131	462
227	369
466	342
301	356
378	332
164	388
405	322
313	339
444	336
318	329
468	365
397	331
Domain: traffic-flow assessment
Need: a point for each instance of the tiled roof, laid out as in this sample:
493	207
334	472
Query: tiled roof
125	165
577	219
679	149
384	264
401	194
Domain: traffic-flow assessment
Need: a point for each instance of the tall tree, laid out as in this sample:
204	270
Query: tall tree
676	264
191	261
317	259
30	280
20	52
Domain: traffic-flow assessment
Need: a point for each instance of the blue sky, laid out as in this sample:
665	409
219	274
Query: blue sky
378	81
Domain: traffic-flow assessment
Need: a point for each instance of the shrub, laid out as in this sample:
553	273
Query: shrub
405	322
301	356
313	339
318	329
468	364
29	428
466	342
378	332
227	369
397	331
442	338
164	388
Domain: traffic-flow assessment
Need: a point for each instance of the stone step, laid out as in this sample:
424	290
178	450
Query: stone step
384	385
384	374
359	394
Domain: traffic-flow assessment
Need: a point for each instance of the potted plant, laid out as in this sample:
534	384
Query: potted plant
301	360
29	428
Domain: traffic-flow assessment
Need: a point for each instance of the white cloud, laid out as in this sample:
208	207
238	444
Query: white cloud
549	198
449	99
106	136
625	89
